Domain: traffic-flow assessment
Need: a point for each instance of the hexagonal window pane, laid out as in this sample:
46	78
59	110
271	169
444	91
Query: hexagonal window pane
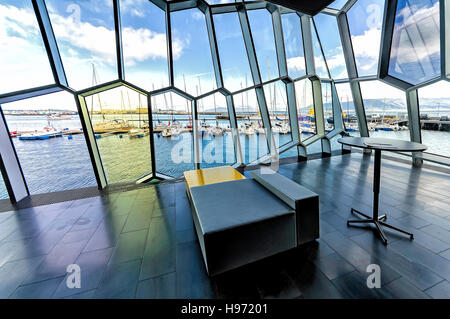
264	41
86	41
193	66
415	49
233	55
50	143
293	43
348	108
119	117
386	111
23	57
251	128
434	104
145	44
319	60
327	102
330	39
215	134
276	100
172	126
365	22
305	108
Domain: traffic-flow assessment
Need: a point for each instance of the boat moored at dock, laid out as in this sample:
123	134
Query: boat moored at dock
41	135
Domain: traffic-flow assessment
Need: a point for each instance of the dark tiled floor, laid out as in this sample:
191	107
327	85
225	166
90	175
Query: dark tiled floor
141	243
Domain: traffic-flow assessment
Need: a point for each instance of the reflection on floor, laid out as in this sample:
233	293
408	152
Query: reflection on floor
141	243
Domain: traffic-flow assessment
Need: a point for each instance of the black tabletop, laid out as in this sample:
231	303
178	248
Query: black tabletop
383	144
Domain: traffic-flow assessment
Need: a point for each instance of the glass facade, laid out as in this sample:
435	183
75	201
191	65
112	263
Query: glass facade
120	123
263	38
193	68
415	52
331	43
232	52
386	112
172	120
215	132
434	102
349	115
51	148
86	41
365	20
147	70
27	64
250	126
144	44
293	43
305	108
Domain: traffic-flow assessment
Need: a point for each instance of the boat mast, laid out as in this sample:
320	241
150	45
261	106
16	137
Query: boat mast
187	103
171	104
154	103
129	105
139	109
122	103
165	102
94	83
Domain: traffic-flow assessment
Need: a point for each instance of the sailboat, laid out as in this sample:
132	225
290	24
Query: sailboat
140	131
110	126
45	134
215	130
189	125
174	127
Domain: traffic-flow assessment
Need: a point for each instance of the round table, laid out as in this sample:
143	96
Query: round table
378	145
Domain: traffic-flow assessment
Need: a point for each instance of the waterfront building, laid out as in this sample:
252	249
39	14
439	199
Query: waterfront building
142	91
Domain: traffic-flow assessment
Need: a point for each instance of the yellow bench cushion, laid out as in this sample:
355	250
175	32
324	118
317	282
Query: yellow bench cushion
212	175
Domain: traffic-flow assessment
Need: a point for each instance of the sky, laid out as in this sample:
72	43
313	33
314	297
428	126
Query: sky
84	30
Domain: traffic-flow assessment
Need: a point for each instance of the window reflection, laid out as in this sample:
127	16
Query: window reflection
319	60
415	51
331	43
365	22
293	43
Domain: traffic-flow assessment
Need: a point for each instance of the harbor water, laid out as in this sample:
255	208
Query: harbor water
62	164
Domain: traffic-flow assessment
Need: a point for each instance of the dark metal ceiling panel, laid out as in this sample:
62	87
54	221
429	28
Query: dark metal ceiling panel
311	7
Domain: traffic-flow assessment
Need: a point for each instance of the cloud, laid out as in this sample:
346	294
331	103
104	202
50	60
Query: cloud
366	48
23	61
81	43
296	64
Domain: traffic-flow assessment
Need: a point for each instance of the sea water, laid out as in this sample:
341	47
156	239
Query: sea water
61	164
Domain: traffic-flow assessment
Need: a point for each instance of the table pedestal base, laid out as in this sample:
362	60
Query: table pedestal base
378	223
